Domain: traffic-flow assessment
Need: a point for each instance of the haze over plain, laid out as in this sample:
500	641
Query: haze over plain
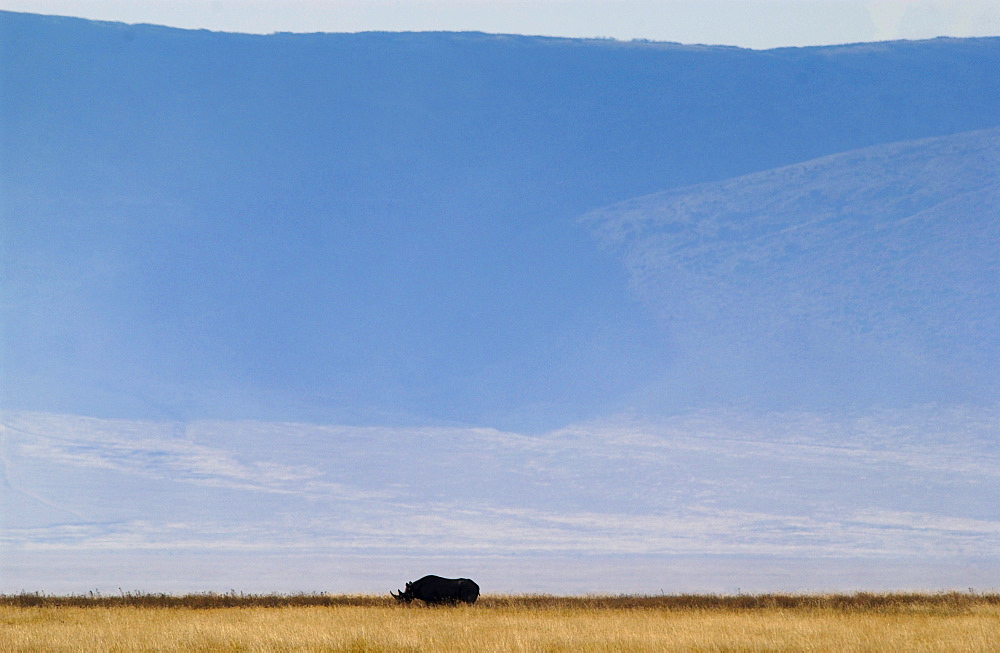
523	303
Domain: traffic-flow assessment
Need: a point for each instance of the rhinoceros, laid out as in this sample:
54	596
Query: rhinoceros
434	589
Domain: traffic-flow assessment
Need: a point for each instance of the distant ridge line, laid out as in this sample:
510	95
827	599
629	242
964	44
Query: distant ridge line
541	38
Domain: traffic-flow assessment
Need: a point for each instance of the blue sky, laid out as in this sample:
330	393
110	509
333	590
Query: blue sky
745	23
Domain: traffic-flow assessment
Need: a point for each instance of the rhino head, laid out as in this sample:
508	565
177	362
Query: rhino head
405	596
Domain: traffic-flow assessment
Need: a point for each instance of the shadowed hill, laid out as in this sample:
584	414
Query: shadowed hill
380	227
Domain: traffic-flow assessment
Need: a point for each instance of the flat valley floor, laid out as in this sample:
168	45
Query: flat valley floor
858	622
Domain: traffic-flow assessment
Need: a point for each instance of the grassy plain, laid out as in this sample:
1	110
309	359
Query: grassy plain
856	622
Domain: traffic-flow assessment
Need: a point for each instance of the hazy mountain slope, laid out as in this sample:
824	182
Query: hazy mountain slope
379	227
864	276
706	501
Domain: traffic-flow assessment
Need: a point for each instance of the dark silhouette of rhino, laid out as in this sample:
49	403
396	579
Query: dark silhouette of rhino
434	589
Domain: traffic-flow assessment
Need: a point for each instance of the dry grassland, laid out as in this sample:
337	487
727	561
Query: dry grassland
862	622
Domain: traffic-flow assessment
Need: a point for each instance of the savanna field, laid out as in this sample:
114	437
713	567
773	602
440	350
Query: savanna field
233	622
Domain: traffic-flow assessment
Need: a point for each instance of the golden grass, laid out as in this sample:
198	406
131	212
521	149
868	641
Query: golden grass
859	622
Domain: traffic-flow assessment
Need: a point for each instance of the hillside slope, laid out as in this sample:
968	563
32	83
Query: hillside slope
867	276
380	227
320	312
